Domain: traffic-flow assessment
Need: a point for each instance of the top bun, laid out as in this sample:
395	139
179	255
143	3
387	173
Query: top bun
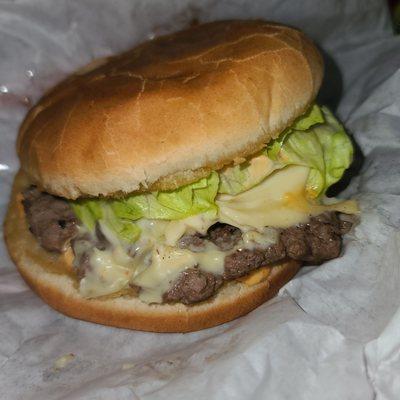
171	110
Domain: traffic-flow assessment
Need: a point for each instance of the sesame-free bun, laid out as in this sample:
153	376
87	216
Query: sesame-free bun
52	278
171	110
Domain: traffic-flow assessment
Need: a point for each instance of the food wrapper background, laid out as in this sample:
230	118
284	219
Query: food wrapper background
332	333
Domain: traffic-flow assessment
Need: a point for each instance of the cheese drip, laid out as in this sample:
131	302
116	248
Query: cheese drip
168	262
153	264
107	274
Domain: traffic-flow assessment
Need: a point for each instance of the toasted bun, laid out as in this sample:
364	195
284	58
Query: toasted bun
171	110
52	278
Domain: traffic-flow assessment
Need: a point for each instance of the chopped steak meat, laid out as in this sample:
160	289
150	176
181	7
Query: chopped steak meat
53	222
274	253
195	243
193	286
316	241
224	236
241	262
50	219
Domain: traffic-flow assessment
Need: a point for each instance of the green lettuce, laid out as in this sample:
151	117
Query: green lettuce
91	211
312	117
235	179
183	202
120	214
324	147
239	178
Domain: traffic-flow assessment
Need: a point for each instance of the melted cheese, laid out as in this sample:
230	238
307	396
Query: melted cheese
260	167
106	274
196	223
211	260
154	265
259	239
154	262
112	270
167	263
170	232
279	201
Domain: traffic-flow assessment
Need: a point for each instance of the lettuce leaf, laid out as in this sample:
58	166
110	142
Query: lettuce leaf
324	147
311	117
126	229
88	211
120	215
91	211
237	179
183	202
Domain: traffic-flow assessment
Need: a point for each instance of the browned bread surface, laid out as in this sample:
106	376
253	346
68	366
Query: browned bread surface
170	110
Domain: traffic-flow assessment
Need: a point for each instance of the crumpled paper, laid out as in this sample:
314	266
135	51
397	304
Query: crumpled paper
332	333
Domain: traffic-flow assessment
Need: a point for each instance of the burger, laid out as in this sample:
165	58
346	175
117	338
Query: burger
181	184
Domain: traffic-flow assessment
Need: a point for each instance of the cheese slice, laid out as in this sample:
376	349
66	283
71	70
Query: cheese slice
279	201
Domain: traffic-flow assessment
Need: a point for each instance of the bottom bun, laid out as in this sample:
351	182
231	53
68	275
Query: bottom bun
52	278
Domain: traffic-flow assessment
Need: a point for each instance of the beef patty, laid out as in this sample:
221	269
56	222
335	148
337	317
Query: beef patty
50	219
314	242
53	222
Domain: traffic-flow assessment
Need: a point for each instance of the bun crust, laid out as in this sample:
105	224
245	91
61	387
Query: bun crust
171	110
51	277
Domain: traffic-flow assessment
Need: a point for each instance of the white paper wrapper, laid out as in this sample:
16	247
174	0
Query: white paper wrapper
333	332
